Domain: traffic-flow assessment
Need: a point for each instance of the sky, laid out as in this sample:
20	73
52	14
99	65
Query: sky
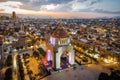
62	8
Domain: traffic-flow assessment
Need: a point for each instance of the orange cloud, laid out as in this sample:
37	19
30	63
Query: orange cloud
67	14
2	10
12	6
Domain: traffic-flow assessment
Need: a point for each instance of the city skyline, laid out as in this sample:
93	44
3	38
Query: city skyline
62	8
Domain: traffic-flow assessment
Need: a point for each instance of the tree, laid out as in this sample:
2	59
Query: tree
78	32
17	48
25	56
21	70
8	74
103	76
115	75
21	47
9	60
42	51
35	54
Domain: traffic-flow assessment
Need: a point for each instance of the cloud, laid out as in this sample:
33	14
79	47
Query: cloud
64	5
10	4
13	4
1	9
106	11
58	5
50	7
95	2
36	4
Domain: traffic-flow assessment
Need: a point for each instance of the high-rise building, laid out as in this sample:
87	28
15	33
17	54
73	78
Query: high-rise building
14	16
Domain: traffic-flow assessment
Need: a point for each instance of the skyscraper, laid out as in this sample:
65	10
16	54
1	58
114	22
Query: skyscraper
13	16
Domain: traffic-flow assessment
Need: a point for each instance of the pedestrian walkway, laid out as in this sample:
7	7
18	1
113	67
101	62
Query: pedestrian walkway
83	72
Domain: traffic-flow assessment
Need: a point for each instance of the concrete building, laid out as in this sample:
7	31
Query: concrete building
20	39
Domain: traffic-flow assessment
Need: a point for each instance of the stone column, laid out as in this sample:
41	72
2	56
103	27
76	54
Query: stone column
58	55
71	56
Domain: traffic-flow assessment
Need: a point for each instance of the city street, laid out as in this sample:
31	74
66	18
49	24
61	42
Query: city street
15	66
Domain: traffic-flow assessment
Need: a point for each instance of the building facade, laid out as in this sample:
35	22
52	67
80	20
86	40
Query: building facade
59	49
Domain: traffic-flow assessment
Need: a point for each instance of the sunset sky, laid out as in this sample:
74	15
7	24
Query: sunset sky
62	8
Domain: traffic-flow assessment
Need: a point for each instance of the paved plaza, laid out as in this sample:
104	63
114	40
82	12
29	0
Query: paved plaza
82	72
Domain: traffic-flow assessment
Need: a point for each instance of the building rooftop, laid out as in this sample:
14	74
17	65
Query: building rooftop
59	32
